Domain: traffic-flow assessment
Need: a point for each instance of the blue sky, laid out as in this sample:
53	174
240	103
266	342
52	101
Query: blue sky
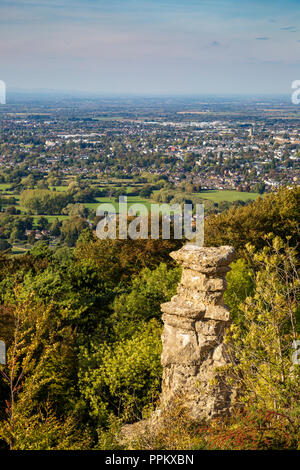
151	46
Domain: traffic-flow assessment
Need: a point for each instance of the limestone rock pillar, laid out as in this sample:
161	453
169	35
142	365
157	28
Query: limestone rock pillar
195	321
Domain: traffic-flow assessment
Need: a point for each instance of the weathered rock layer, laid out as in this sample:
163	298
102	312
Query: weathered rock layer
195	322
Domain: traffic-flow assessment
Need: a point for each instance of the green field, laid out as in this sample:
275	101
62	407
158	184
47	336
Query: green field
106	200
213	195
226	195
19	250
4	186
147	203
59	188
50	218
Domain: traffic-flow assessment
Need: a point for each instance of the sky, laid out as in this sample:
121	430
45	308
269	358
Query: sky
151	46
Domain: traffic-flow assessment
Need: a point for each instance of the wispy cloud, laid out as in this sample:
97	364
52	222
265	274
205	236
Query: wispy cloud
290	29
148	43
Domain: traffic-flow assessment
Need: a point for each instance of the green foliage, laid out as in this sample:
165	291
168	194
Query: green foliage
76	287
277	213
41	250
4	245
42	223
240	284
14	226
71	230
262	342
40	364
76	210
43	430
259	188
82	327
63	255
86	236
119	260
123	377
149	290
55	228
42	201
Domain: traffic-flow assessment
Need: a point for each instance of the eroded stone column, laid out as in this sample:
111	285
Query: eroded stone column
195	322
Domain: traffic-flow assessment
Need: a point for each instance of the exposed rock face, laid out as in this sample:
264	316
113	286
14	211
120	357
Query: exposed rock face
195	323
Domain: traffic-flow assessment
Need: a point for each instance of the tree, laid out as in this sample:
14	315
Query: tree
240	285
16	234
41	201
259	188
71	230
31	237
146	191
42	184
28	182
55	227
118	260
86	236
263	371
42	223
277	213
123	377
11	210
76	210
4	245
117	193
38	354
148	291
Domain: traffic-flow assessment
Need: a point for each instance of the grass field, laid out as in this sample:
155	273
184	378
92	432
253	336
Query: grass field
4	186
19	250
213	195
226	195
59	188
50	218
106	200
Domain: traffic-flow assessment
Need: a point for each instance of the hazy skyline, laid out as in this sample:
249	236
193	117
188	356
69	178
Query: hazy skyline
151	46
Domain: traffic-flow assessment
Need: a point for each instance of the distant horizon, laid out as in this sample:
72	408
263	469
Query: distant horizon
155	47
45	91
